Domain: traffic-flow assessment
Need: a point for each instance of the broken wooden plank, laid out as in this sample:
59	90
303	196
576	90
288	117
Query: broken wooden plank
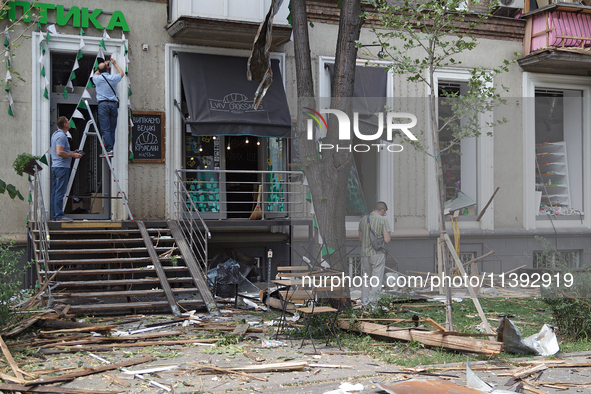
158	267
241	329
473	295
216	370
276	367
49	390
22	326
89	371
116	380
12	379
29	303
336	366
84	329
520	373
11	362
137	344
430	338
253	356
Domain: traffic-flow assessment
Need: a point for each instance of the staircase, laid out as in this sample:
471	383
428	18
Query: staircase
122	267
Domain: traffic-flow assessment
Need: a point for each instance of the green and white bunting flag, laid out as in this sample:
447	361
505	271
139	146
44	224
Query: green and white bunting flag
82	44
72	124
78	114
100	54
81	104
102	45
86	95
65	93
106	35
51	29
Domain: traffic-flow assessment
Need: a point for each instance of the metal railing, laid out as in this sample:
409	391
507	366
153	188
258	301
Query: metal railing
38	216
238	194
191	223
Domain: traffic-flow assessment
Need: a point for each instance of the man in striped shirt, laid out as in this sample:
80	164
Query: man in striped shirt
373	261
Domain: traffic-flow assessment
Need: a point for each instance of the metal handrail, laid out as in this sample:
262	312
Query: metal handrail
195	235
282	193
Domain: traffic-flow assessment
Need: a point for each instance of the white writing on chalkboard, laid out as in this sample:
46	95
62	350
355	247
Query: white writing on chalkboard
146	119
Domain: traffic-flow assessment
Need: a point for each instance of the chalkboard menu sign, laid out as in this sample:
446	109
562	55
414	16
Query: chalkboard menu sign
148	137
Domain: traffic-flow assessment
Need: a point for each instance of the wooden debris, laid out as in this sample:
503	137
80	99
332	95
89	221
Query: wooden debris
107	347
12	379
116	380
215	370
29	303
13	364
50	390
520	373
533	389
253	356
100	328
276	367
430	338
89	371
336	366
22	326
241	329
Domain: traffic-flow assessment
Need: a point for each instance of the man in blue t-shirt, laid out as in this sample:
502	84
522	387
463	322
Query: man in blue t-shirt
108	102
61	158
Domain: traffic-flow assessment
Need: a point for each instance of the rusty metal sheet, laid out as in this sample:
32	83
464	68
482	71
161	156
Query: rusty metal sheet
427	386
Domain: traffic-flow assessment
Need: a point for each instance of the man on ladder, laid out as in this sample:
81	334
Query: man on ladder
108	102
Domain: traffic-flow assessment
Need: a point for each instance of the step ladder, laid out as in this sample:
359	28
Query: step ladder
96	133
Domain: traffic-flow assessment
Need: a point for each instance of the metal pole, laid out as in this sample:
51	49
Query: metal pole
269	258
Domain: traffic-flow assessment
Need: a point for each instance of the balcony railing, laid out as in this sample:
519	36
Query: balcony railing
565	26
242	194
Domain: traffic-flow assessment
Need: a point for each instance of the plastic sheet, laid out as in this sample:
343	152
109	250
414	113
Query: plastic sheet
543	343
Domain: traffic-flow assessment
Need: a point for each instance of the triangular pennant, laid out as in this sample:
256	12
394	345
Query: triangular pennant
68	134
46	80
125	49
65	93
130	125
130	113
81	104
38	26
315	223
51	29
126	70
7	33
105	35
86	95
8	75
95	65
76	65
10	102
72	75
10	110
43	160
82	43
126	58
309	196
123	37
78	114
47	37
8	62
100	54
6	42
72	124
43	71
102	45
70	85
82	31
42	60
129	92
89	85
45	94
79	55
7	87
42	49
326	251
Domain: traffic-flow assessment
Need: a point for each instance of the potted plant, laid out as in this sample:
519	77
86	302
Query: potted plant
26	162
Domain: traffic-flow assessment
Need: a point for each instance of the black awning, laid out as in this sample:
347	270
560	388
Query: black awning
220	98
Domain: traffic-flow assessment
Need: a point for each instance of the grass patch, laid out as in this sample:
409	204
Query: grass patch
529	315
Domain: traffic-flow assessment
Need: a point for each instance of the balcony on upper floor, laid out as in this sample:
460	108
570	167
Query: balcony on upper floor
558	39
225	23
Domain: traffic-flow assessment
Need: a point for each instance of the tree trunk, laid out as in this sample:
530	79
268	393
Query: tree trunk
327	174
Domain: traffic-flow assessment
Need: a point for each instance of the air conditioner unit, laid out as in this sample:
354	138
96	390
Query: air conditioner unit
511	3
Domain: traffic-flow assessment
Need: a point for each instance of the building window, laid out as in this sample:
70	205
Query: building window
556	135
460	163
558	259
468	167
559	152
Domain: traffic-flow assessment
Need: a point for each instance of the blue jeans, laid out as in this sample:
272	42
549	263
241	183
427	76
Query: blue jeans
107	118
59	184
